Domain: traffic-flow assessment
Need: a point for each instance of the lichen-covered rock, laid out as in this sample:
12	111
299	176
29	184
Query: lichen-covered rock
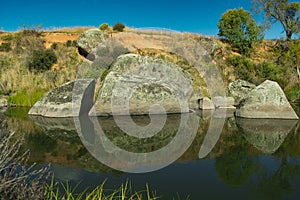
90	39
238	89
3	102
265	134
137	85
71	99
223	102
209	44
266	101
206	104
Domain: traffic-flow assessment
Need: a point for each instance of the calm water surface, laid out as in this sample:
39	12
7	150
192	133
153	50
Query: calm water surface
240	159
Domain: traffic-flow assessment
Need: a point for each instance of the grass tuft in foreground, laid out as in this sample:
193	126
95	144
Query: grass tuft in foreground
125	192
18	182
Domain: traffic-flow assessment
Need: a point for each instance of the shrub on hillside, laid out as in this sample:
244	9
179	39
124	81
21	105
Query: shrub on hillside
70	43
54	45
104	27
27	41
5	47
119	27
243	67
42	60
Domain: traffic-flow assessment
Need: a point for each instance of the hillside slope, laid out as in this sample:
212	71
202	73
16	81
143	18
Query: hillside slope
269	60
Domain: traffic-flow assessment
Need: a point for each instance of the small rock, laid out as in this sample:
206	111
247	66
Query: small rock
223	102
3	102
194	101
206	104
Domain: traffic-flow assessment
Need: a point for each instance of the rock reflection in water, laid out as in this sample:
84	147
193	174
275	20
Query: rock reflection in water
47	123
121	151
265	134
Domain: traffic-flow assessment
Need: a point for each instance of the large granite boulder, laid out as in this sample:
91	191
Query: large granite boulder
71	99
88	40
266	135
141	85
266	101
238	89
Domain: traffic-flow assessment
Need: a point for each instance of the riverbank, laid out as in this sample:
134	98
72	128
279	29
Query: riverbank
23	87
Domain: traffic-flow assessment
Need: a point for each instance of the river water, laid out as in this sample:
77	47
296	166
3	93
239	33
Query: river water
202	155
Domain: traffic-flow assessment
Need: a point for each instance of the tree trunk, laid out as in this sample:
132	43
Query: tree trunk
288	34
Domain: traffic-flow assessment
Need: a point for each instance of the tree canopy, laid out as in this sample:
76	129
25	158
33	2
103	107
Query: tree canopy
239	28
283	11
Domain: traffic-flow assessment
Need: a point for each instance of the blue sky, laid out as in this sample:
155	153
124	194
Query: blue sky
199	16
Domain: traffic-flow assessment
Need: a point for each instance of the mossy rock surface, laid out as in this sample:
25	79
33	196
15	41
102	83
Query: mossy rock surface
136	83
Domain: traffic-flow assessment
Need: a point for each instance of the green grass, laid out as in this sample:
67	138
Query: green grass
26	97
125	192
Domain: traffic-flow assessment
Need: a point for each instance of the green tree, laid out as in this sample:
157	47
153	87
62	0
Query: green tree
283	11
119	27
104	27
240	29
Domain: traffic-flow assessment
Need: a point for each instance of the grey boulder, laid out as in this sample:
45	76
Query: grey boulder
88	40
138	85
238	89
71	99
206	104
266	101
223	102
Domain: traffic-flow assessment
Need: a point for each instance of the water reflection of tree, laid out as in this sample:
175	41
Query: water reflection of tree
238	164
279	184
235	165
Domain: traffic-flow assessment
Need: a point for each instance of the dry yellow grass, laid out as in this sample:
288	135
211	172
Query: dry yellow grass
76	29
51	38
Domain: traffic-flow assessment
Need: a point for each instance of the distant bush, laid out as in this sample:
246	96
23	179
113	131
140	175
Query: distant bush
42	60
5	47
104	27
31	30
119	27
70	43
292	91
54	45
27	41
243	67
8	37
